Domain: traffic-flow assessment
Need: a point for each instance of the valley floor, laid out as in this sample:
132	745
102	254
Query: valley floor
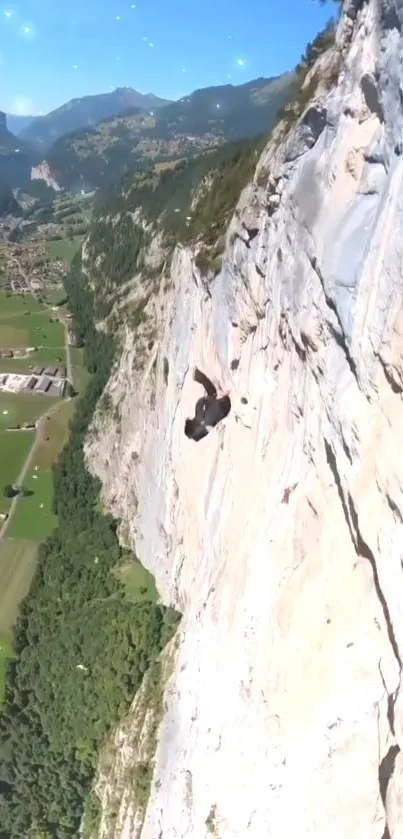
34	428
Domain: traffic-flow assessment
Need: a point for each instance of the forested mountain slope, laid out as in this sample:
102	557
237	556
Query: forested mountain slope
86	111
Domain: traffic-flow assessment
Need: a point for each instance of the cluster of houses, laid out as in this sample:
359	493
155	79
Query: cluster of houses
16	284
53	372
45	380
45	384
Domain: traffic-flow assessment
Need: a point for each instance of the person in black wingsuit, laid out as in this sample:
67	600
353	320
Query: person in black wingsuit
209	410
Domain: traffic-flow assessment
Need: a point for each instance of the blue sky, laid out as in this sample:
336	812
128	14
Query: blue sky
52	51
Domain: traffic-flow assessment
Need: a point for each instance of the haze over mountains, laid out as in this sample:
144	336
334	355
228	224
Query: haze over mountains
16	123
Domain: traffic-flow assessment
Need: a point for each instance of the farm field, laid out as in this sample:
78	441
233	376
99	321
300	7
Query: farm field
17	408
46	357
25	322
17	566
33	518
14	304
35	330
55	434
14	449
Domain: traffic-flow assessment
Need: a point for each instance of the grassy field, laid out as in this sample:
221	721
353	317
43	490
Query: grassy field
138	582
45	356
14	304
34	330
11	336
64	249
14	449
55	433
23	407
17	565
33	518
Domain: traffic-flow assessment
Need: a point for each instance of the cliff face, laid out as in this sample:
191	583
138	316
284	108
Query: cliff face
42	172
280	535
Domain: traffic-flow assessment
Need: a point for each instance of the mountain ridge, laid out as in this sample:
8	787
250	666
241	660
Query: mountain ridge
85	111
207	118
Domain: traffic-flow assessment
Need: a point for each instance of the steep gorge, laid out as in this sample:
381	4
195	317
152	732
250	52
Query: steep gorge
279	536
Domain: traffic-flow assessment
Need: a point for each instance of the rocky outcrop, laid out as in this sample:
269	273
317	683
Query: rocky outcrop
280	535
42	172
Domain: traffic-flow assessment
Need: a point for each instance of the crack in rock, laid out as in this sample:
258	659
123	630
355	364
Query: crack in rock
361	547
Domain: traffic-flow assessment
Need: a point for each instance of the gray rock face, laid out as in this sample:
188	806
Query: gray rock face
280	536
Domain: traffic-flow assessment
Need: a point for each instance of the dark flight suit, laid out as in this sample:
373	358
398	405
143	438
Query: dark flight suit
209	409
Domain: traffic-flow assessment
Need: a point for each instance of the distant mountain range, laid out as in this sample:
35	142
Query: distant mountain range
90	142
85	112
137	139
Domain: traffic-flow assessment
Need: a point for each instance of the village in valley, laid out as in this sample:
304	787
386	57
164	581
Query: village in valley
36	329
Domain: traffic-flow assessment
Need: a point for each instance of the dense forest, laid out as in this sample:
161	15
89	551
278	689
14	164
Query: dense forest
75	171
165	199
81	647
115	248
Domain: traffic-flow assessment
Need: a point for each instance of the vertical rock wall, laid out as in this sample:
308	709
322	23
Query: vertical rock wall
280	536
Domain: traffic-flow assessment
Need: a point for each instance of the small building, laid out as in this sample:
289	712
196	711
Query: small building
7	354
32	383
62	372
50	371
43	384
54	389
38	371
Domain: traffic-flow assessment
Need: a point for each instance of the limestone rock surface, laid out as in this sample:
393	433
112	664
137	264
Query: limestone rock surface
280	536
